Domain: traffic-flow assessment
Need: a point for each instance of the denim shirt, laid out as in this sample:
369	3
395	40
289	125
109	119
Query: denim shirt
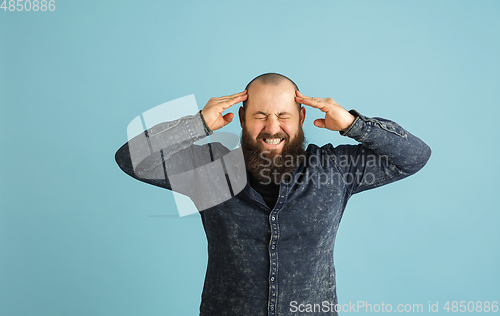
264	261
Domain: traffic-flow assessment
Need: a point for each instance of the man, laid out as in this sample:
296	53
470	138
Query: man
270	245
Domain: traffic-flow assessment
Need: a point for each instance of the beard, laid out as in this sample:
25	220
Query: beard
269	166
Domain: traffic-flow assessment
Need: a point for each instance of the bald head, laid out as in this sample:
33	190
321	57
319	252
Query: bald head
272	79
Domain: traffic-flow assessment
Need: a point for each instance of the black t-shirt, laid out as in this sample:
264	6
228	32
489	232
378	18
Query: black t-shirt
269	192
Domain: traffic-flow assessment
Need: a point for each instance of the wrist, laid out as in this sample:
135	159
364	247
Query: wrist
353	126
348	122
205	125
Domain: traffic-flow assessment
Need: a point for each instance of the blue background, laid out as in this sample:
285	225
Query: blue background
80	237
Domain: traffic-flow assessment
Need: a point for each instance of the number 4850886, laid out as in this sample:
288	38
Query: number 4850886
28	5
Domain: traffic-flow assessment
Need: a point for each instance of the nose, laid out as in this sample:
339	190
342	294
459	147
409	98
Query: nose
272	125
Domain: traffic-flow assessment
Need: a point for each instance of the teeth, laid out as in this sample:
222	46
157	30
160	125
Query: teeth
273	141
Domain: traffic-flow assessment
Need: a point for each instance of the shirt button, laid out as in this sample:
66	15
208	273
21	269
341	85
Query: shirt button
272	308
272	278
273	246
273	218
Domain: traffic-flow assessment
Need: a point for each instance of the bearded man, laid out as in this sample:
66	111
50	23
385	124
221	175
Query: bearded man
270	242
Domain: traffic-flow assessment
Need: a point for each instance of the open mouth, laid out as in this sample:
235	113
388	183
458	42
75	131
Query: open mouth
272	141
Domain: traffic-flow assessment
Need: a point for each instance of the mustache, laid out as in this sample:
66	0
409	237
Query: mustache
263	135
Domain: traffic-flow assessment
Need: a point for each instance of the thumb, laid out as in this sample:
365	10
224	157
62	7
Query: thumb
320	123
228	118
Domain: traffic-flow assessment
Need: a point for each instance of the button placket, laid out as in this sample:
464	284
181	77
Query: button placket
273	253
274	265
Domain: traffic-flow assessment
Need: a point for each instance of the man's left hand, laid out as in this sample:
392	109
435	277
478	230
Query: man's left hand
336	117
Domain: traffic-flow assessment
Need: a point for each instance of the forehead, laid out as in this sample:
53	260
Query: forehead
271	98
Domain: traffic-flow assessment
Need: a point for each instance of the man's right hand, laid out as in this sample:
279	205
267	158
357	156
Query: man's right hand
212	112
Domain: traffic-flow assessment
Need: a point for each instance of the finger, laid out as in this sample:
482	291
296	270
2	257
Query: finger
314	102
230	102
297	93
300	95
320	123
230	97
233	95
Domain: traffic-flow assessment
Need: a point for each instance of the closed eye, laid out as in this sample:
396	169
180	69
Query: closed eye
281	116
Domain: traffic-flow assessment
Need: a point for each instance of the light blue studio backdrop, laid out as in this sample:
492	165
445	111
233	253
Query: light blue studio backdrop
80	237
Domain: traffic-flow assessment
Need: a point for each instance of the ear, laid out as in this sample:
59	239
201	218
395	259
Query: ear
302	115
241	114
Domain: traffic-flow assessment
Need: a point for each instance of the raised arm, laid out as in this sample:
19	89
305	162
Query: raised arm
146	157
165	156
386	153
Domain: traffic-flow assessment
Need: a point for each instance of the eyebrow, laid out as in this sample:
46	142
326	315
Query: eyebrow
266	114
